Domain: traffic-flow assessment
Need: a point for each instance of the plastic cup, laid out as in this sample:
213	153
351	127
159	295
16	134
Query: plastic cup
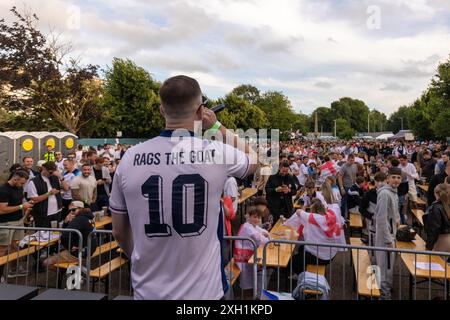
54	224
105	210
288	234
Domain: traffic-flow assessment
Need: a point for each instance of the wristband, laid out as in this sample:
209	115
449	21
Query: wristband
49	193
216	126
21	207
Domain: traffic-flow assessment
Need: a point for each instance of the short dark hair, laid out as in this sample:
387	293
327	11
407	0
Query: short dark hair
15	167
49	166
351	156
259	201
20	174
99	160
86	165
252	211
26	157
395	171
178	93
394	162
404	157
360	179
380	176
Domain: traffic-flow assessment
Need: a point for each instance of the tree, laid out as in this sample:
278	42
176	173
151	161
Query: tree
343	129
395	120
241	114
247	92
325	119
132	101
35	86
439	100
278	110
353	110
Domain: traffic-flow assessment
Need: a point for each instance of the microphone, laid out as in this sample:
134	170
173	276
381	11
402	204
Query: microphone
218	108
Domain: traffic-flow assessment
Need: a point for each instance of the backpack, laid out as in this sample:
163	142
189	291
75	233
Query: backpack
406	234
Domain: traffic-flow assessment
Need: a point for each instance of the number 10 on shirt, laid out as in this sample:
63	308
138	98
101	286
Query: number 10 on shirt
189	191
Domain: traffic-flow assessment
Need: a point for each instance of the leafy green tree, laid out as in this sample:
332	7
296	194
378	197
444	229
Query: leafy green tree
247	92
241	114
132	101
343	129
325	119
353	110
35	85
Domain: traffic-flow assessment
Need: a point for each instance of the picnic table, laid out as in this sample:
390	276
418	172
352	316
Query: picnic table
277	255
423	187
410	260
105	220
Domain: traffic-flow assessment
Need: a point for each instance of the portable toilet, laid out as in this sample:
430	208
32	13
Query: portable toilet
46	138
67	142
7	151
15	145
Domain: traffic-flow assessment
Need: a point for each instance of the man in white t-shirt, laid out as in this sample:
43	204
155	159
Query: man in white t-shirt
165	199
303	171
45	191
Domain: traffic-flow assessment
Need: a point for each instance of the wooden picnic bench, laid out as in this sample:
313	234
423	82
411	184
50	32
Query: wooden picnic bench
356	222
12	256
361	265
410	259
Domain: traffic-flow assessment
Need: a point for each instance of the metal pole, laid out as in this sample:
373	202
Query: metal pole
368	123
335	128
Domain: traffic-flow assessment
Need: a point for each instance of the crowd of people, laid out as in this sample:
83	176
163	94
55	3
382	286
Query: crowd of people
166	215
318	184
62	190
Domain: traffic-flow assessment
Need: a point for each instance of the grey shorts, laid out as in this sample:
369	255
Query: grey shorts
8	235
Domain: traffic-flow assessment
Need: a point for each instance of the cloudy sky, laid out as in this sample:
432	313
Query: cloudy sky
381	51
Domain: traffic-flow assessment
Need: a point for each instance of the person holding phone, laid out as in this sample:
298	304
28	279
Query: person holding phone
103	178
45	191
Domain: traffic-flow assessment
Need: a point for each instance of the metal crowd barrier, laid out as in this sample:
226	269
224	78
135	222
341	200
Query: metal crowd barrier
16	263
108	269
231	265
343	272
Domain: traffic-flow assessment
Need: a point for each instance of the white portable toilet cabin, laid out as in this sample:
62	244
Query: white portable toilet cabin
14	146
46	138
67	142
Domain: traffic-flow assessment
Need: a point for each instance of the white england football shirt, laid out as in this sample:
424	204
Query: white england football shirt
171	190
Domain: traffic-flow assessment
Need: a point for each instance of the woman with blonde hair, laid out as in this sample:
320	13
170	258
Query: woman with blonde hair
437	220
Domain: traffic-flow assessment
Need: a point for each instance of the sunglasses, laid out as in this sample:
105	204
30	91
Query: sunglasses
73	210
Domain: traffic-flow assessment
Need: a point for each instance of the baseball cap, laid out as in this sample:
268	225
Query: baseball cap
78	204
40	163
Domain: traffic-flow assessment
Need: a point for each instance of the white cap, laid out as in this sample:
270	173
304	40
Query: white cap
40	163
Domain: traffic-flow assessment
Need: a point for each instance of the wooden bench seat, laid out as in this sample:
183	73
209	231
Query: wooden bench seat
316	269
105	269
418	216
17	255
421	202
361	264
104	248
235	271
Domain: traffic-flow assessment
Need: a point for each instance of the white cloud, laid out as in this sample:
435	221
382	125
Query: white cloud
313	51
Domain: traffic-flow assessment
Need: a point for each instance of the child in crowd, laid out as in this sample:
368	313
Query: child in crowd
311	193
320	225
244	250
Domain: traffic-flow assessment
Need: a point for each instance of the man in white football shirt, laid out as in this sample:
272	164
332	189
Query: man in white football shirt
165	200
